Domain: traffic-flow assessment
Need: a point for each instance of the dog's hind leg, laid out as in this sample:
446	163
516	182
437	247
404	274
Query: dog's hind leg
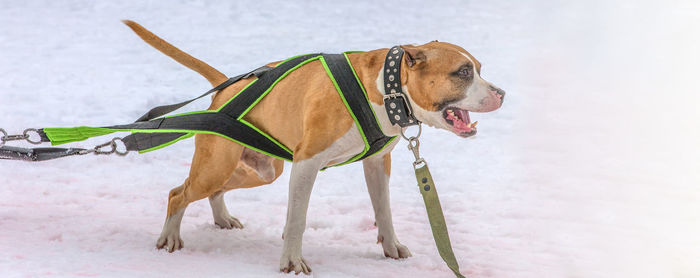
215	159
222	218
377	169
253	170
170	235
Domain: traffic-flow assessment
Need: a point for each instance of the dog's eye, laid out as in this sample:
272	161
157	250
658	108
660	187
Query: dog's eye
465	72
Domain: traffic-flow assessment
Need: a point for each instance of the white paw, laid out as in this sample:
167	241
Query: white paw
228	222
294	263
393	248
170	242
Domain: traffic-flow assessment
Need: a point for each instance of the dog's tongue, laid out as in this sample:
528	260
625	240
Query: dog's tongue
464	115
461	126
458	124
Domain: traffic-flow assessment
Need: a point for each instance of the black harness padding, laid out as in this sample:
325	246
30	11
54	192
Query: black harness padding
165	109
247	97
151	131
144	141
225	122
357	101
211	122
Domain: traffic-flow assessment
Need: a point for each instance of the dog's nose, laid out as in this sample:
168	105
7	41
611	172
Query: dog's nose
501	93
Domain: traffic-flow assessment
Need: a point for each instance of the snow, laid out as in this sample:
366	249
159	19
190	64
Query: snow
590	169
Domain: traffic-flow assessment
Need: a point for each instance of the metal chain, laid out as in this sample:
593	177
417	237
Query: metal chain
413	146
24	136
99	149
112	144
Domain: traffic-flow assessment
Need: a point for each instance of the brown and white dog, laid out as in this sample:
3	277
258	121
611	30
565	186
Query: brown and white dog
442	81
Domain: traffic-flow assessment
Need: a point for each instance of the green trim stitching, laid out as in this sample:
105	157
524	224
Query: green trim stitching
59	136
267	91
190	113
363	91
383	147
110	130
199	132
251	83
293	57
275	83
266	136
375	153
357	123
234	96
188	135
246	111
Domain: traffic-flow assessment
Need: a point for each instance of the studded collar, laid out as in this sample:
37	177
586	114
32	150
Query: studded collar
397	105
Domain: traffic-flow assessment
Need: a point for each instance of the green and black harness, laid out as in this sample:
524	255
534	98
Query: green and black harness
154	130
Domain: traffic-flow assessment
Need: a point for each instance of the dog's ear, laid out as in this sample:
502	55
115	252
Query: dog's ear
413	55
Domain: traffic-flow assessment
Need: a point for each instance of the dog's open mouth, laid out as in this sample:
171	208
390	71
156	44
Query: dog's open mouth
460	122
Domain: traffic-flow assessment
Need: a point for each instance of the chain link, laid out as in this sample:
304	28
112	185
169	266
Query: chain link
106	148
17	137
113	148
27	136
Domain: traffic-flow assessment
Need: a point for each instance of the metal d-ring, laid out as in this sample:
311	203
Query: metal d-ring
420	129
116	149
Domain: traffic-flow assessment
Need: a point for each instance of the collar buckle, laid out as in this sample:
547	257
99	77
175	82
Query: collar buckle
397	105
401	96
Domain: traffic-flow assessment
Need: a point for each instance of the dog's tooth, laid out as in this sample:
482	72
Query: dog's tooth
469	125
474	124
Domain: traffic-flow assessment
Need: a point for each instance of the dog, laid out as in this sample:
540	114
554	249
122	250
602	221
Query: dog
304	112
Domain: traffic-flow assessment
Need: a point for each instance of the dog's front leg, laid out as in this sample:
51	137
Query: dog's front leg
377	169
301	182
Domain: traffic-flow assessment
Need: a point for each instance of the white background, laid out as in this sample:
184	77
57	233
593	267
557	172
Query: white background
590	168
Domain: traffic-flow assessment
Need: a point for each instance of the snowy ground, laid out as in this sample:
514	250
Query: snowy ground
590	169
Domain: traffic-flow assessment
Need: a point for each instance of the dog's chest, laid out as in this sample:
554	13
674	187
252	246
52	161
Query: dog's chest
346	147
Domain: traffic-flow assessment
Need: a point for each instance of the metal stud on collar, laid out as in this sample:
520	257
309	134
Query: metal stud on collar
395	100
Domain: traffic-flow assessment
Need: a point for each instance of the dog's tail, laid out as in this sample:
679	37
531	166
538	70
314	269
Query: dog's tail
214	76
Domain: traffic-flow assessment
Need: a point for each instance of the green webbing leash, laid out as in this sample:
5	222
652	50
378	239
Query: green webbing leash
432	205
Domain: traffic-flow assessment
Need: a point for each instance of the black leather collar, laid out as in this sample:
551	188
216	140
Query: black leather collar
396	102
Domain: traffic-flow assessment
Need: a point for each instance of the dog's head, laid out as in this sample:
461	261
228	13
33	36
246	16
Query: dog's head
444	84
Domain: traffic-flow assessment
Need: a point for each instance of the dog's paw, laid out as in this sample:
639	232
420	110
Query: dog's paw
170	242
294	263
228	222
393	248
